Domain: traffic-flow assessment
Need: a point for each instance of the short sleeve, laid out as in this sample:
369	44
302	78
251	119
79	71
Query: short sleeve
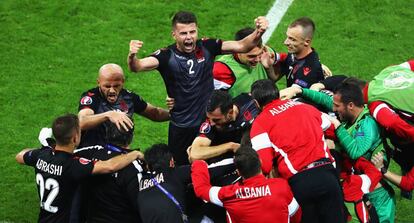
89	100
139	104
30	157
81	168
162	55
206	130
213	46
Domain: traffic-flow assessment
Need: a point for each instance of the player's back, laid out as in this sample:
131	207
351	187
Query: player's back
111	197
259	199
295	131
57	176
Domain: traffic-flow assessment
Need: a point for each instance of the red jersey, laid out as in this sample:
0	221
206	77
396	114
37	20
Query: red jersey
292	133
256	199
407	181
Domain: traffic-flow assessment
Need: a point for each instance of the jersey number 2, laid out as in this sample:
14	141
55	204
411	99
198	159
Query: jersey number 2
191	63
52	185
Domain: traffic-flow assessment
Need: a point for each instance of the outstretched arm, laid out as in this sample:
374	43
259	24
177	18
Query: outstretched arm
250	41
116	163
201	182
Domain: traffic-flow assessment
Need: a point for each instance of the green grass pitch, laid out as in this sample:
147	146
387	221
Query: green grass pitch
51	52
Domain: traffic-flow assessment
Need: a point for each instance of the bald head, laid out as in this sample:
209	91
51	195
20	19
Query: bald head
111	70
111	81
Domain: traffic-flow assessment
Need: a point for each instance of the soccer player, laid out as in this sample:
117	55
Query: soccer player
111	103
236	72
58	171
301	65
255	199
220	135
163	189
291	134
186	68
112	197
358	135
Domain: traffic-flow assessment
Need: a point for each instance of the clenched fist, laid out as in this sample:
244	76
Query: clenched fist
134	46
261	24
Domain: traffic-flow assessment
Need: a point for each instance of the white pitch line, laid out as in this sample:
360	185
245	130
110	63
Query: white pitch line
274	15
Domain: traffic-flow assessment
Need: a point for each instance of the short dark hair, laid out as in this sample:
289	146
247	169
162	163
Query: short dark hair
350	92
264	91
247	162
118	137
184	17
353	80
219	99
243	33
158	157
307	24
64	127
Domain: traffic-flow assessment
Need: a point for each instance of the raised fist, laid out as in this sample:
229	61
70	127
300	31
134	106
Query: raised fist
261	24
134	46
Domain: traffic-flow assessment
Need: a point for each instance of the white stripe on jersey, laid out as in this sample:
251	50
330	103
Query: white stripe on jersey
261	141
378	108
213	195
220	85
286	159
366	183
293	207
88	148
221	163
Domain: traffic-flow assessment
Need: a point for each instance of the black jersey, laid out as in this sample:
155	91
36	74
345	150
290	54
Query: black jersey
57	175
188	79
111	197
127	101
233	131
154	205
303	72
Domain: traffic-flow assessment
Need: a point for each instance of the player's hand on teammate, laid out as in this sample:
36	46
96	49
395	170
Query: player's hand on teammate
334	121
267	58
261	24
233	147
170	103
317	86
290	92
121	120
378	160
326	71
134	46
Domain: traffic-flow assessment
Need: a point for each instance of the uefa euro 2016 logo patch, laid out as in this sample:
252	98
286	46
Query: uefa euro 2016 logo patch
86	100
205	128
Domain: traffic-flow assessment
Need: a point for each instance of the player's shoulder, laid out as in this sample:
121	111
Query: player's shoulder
90	96
161	51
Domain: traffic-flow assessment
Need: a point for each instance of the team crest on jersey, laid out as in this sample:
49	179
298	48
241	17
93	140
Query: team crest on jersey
84	161
123	106
247	115
86	100
199	55
306	71
205	128
398	80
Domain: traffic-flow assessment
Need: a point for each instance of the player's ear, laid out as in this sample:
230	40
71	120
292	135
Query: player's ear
238	173
172	163
257	103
